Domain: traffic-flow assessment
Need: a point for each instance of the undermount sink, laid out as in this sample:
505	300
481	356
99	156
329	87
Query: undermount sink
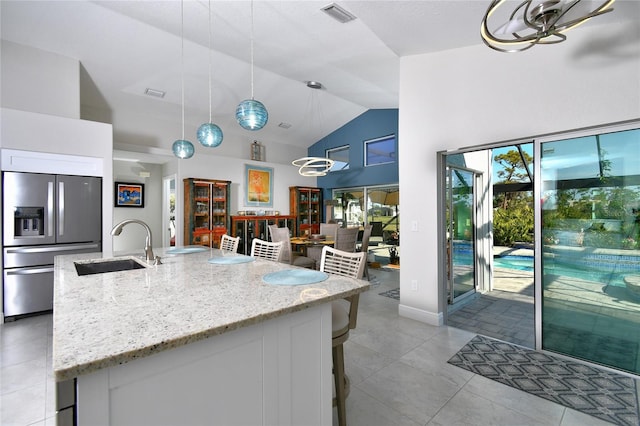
103	266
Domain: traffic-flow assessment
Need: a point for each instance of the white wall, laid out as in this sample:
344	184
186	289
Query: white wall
226	168
133	236
39	81
474	96
132	129
29	131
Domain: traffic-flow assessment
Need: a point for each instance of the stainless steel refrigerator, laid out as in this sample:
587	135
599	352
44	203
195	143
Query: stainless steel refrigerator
44	216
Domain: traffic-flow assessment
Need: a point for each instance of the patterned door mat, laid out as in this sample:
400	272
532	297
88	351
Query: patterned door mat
606	395
394	294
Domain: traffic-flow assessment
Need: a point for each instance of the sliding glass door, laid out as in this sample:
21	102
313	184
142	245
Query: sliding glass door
589	271
461	242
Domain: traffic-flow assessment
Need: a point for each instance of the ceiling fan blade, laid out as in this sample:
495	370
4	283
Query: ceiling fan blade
580	9
514	25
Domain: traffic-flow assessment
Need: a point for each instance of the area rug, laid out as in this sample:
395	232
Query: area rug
606	395
394	293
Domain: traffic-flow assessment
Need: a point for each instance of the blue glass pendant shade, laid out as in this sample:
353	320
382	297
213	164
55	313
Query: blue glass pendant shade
183	149
210	135
251	114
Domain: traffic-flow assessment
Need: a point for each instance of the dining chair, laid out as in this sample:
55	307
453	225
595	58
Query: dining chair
266	250
344	314
364	248
329	230
228	243
346	239
377	232
288	255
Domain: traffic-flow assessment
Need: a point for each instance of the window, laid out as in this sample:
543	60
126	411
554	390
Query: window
377	205
380	150
340	156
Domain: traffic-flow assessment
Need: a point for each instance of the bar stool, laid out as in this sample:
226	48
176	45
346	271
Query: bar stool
266	250
228	243
344	314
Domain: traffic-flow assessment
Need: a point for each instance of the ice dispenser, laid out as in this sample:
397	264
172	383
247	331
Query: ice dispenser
29	221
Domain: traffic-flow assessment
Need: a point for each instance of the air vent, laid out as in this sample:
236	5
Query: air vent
154	92
338	13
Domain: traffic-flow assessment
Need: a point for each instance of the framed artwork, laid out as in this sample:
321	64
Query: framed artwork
259	186
129	194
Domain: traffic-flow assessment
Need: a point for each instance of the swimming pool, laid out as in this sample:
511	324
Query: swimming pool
611	273
521	263
608	273
603	267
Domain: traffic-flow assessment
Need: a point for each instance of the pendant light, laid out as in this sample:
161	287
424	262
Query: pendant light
182	148
209	134
314	166
251	114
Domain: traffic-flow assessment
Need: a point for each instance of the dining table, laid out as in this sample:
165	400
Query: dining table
306	242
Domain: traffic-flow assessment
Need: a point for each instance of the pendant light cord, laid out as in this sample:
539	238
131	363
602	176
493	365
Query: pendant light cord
210	111
252	49
182	59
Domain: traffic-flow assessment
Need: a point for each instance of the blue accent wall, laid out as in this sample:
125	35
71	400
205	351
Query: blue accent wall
369	125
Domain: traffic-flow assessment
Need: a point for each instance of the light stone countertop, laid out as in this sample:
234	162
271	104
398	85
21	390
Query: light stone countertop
108	319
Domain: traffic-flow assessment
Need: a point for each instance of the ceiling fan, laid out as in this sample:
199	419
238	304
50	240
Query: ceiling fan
538	22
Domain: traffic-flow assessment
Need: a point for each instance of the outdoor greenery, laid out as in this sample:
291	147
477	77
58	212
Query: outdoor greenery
602	217
512	211
513	225
606	216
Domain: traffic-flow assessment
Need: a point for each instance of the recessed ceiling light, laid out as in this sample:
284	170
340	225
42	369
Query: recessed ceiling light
284	125
314	84
154	92
338	13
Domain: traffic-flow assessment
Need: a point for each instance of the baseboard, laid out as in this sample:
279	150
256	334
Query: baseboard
426	317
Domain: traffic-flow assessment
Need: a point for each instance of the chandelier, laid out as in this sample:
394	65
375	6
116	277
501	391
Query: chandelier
313	166
535	22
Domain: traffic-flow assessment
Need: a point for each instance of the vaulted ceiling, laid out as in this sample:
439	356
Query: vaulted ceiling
126	47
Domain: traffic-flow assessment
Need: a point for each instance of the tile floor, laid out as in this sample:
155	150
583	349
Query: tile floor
506	313
398	370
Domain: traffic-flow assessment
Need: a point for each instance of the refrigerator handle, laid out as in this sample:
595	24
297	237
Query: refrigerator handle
50	209
61	208
29	271
49	249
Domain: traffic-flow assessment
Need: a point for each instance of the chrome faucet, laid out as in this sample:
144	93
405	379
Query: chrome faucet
148	251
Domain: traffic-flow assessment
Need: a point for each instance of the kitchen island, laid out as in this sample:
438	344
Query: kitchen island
192	342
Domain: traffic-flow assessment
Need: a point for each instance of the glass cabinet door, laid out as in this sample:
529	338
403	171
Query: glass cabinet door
219	224
241	231
201	232
315	211
263	230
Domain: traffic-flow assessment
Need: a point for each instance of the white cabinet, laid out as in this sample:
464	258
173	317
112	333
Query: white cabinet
277	372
